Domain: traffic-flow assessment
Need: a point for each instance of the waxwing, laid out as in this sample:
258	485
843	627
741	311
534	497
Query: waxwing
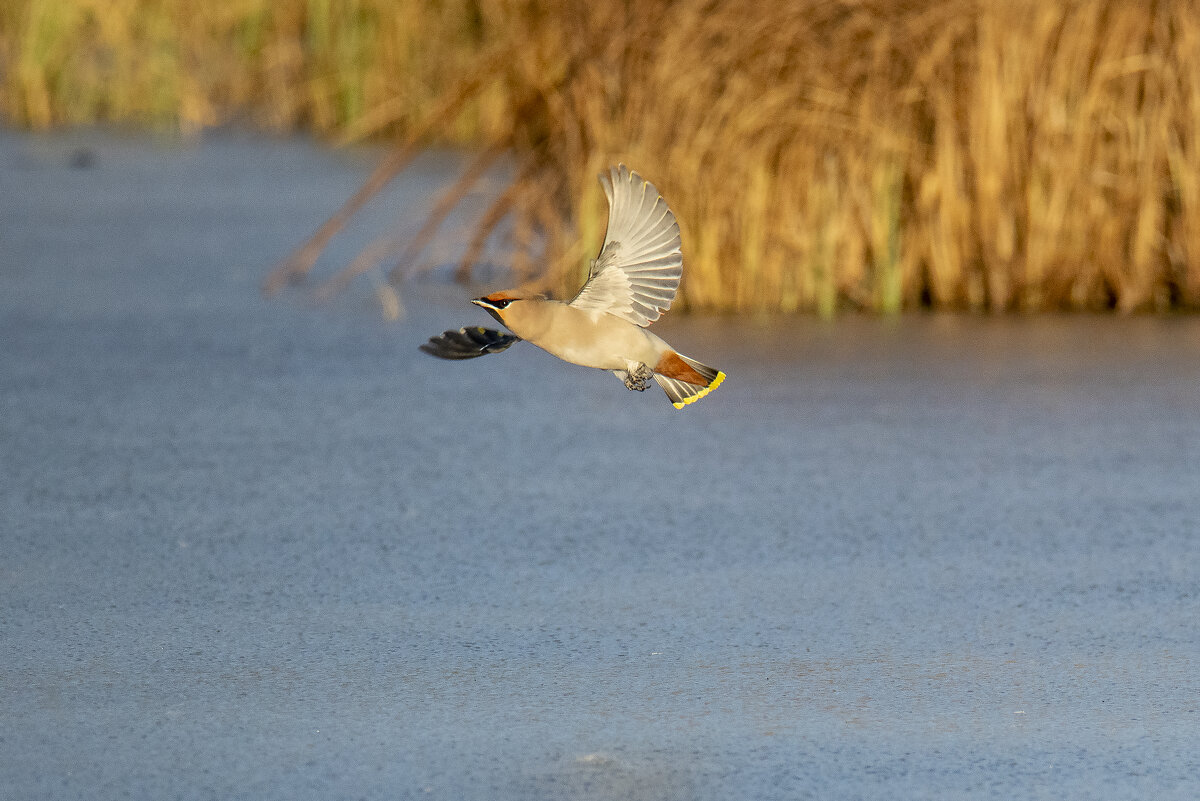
630	284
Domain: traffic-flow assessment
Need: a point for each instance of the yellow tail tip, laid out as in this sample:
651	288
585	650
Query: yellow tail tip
716	382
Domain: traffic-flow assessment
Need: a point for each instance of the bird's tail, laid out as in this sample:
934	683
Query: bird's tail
686	380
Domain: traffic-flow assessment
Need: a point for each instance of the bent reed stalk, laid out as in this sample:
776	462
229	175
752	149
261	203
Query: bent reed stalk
820	154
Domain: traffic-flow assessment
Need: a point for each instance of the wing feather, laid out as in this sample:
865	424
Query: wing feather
468	343
636	275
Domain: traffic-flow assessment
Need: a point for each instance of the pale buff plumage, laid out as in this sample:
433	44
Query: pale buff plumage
631	283
589	338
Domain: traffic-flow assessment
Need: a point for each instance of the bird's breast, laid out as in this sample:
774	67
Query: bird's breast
596	339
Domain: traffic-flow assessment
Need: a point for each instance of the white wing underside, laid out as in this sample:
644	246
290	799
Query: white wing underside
637	272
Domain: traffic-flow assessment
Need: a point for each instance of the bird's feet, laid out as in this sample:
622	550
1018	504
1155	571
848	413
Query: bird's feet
638	378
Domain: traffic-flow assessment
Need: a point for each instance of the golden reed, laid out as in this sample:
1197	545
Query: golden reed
820	154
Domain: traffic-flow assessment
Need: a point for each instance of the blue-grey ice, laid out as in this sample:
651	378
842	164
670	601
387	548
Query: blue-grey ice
266	549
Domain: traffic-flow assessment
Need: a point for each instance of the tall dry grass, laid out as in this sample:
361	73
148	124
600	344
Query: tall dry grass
820	154
882	155
336	67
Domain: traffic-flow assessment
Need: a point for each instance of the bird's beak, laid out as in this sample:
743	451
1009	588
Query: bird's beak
489	307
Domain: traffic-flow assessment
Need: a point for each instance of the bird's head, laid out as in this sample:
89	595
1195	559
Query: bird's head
496	303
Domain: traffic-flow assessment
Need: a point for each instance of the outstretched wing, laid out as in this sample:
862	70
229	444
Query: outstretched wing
637	272
468	343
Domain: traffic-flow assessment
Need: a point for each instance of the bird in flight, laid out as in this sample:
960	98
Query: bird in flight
630	284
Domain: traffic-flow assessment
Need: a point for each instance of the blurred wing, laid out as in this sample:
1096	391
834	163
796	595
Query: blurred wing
637	272
468	343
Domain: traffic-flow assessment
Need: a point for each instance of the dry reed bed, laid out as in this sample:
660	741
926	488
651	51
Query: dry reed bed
331	66
820	155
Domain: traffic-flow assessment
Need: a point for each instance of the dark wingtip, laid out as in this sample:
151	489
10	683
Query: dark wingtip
468	343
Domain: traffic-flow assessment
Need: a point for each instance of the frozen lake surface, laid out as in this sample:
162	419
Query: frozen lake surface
263	549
